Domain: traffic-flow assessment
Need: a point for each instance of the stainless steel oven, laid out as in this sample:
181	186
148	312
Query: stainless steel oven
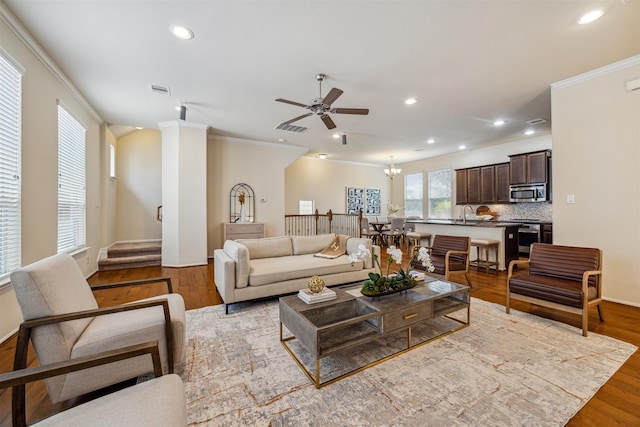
528	193
528	233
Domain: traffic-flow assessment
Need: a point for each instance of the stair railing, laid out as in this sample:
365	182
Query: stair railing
317	223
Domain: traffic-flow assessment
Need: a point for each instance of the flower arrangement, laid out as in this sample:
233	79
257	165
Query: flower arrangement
398	281
241	198
393	207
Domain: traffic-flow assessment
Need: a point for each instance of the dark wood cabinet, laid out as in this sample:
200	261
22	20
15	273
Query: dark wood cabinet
537	167
488	184
461	187
547	233
502	182
473	186
529	168
518	170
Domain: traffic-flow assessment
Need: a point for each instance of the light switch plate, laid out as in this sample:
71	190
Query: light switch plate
571	198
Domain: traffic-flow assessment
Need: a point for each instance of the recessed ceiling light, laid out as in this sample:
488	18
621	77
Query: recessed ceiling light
589	17
430	141
462	147
499	122
139	128
282	140
336	135
529	132
183	33
322	156
410	101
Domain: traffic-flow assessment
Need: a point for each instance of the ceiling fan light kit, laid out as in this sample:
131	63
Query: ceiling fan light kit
322	106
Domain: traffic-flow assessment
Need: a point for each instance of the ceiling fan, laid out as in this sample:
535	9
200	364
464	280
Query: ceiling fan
322	106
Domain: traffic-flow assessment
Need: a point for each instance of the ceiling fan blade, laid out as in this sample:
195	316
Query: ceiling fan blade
328	122
361	111
286	101
331	97
297	118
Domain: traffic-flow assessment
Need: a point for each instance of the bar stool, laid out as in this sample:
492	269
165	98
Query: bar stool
416	237
485	245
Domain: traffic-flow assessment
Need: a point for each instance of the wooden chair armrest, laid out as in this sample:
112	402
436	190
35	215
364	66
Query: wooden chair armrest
513	264
18	379
102	286
585	281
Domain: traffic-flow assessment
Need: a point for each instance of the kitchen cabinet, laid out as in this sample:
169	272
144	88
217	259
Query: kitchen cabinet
488	184
547	233
529	168
502	182
473	186
461	187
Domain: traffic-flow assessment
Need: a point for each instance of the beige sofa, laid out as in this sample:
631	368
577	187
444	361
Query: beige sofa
248	269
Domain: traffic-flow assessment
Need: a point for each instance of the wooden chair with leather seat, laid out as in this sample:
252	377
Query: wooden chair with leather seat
450	256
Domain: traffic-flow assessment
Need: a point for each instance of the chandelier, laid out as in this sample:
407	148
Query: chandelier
392	170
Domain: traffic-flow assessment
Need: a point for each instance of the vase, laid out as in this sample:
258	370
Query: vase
243	217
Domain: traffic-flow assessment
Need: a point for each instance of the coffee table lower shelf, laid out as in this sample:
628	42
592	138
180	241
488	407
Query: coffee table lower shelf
349	323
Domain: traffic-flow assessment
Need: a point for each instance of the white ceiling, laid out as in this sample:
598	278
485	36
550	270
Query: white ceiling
468	62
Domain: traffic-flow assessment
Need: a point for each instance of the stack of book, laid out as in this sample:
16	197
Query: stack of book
419	276
311	298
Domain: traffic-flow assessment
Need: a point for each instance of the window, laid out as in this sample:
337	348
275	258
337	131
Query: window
306	207
413	195
440	193
112	161
10	144
71	183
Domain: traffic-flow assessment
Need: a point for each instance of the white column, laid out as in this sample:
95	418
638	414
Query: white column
184	193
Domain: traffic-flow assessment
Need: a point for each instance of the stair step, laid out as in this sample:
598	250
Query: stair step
134	249
135	261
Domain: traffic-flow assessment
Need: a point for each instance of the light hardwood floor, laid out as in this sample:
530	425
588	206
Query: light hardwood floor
616	403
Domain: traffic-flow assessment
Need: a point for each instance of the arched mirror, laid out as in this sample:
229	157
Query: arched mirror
241	204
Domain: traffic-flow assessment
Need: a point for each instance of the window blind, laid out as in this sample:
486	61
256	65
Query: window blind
71	183
10	145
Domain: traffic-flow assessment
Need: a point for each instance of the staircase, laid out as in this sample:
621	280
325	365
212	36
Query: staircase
130	255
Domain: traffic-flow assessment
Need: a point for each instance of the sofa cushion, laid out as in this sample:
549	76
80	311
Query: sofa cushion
240	254
311	244
272	270
269	247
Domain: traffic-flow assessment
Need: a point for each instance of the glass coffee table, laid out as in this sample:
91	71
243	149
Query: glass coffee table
357	332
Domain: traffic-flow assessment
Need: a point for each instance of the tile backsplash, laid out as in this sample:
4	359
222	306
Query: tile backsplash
541	211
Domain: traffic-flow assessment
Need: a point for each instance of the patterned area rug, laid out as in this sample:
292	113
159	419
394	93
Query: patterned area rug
502	370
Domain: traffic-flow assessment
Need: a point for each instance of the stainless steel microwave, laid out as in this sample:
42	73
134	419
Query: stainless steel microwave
528	193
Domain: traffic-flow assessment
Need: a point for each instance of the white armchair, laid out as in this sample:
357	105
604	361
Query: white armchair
63	321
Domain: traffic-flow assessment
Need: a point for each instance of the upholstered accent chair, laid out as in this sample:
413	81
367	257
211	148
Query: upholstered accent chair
566	278
449	256
62	321
158	402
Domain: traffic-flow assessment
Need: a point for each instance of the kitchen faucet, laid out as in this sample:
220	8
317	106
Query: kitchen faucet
464	213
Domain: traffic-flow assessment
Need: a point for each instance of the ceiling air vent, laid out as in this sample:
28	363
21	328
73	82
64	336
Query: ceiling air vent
161	90
291	128
536	122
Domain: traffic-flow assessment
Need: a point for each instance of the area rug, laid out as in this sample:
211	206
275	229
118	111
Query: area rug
502	370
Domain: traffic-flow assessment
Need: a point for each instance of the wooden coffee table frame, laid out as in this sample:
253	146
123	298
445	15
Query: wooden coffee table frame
326	328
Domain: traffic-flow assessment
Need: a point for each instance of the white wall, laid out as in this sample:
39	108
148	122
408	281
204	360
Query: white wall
139	185
596	157
262	166
41	90
325	181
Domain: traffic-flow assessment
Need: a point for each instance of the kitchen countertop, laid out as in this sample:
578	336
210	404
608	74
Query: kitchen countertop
470	222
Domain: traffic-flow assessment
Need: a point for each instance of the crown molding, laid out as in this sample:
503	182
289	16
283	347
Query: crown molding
598	72
25	37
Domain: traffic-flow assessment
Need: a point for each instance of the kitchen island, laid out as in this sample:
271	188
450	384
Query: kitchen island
504	232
